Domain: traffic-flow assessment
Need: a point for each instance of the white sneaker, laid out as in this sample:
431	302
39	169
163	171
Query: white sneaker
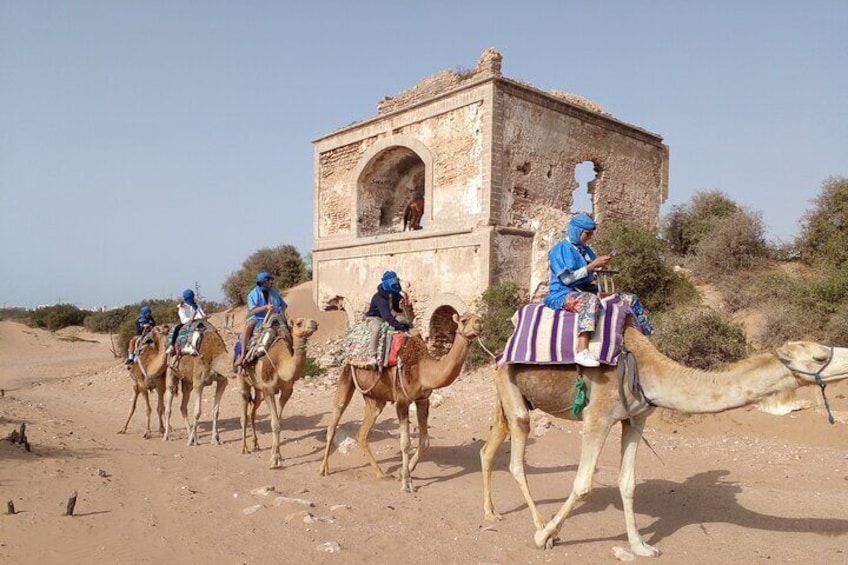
586	359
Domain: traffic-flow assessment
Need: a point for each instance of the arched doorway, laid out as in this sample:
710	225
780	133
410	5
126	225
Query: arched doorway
390	182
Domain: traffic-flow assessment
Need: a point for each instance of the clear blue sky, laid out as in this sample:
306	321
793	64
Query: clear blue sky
146	146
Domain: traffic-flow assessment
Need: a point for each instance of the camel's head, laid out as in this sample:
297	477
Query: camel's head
806	359
468	325
302	327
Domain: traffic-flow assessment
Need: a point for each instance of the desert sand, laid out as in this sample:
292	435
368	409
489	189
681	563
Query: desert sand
739	487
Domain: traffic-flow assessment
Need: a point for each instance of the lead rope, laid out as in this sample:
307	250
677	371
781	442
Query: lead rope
628	367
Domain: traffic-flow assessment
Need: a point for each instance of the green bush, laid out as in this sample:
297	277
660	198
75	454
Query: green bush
836	331
313	368
164	312
734	242
57	317
686	225
15	314
642	267
284	262
824	233
108	321
700	338
496	307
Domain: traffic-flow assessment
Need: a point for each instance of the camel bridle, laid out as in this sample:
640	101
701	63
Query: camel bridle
817	377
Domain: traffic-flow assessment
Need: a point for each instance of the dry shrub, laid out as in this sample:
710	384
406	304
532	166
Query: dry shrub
836	332
700	338
734	242
824	235
782	323
685	227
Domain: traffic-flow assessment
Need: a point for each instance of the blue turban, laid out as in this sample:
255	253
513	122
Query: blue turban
263	276
577	225
146	311
390	282
188	298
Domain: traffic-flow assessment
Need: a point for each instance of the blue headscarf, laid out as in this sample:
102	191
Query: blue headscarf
263	276
146	311
188	298
576	226
390	282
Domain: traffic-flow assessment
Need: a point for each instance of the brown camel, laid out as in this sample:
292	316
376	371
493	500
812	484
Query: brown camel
665	384
272	377
194	373
148	373
413	213
413	385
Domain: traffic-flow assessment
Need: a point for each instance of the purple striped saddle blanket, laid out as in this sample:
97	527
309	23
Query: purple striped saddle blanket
548	337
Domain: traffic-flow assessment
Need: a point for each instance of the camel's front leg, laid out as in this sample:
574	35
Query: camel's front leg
254	408
197	394
245	400
497	435
630	436
276	458
422	411
595	431
373	408
170	391
220	386
185	388
160	404
148	411
344	392
136	392
403	422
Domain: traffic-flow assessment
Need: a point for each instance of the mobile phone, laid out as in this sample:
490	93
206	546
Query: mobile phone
613	252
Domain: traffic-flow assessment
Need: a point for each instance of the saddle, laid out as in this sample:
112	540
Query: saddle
190	337
357	347
274	329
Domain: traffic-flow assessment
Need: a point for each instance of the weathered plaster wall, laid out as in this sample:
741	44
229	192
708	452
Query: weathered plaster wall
543	141
427	268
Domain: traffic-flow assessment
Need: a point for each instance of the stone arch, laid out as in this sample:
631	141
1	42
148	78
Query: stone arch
441	329
389	175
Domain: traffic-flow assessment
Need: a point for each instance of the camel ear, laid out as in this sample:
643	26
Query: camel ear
456	319
290	323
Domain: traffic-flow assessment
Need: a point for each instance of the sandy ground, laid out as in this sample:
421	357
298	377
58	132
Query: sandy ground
740	487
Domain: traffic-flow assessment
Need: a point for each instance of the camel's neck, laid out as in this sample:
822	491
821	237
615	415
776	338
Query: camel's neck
671	385
439	373
291	363
154	360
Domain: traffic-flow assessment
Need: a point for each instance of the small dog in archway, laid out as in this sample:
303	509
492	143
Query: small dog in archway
413	213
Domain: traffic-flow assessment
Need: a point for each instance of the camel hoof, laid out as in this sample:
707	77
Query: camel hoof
642	549
493	516
544	540
217	441
122	431
146	435
323	471
409	489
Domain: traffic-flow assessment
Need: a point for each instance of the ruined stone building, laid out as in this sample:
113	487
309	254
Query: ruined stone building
494	160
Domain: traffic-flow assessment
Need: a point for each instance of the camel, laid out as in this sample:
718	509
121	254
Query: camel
414	385
413	213
194	373
148	373
664	383
272	378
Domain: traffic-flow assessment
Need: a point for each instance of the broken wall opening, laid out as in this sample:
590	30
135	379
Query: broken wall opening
587	175
392	181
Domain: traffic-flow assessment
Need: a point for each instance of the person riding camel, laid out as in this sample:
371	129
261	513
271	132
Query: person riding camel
143	324
188	311
261	300
387	301
573	288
